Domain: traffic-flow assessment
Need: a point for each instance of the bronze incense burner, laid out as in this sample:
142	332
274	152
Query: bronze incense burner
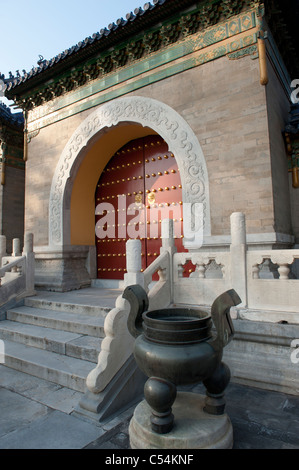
176	346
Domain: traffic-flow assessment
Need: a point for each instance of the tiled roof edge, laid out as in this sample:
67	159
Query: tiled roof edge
43	65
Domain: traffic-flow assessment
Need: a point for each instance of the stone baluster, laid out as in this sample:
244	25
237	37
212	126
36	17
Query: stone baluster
180	269
255	271
19	270
201	270
283	260
223	271
284	271
200	263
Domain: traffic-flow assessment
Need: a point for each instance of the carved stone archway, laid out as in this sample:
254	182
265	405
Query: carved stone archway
149	113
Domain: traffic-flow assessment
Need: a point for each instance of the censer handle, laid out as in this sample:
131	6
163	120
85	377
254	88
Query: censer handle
222	320
138	299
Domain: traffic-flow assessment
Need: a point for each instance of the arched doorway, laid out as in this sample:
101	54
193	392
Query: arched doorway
139	187
132	110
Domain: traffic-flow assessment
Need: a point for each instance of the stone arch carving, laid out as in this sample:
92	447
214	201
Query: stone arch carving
150	113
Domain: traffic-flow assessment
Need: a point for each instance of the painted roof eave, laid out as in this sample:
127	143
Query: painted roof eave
116	33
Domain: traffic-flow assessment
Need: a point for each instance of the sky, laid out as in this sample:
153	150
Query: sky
33	27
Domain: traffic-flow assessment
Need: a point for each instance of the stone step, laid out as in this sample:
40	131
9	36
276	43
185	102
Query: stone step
61	342
59	320
63	370
73	304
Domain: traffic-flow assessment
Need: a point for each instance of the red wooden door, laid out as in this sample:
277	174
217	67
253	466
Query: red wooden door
139	187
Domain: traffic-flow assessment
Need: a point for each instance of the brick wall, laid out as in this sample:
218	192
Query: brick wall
43	156
225	105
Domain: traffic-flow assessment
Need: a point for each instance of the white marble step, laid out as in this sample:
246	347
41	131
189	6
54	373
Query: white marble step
49	339
72	322
60	369
85	301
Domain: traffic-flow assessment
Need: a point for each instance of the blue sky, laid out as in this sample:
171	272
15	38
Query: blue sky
33	27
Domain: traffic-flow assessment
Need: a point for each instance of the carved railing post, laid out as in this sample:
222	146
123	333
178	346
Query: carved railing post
133	257
117	346
30	262
167	236
2	247
16	250
168	244
238	255
16	247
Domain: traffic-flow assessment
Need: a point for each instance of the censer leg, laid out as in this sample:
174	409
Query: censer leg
215	387
160	395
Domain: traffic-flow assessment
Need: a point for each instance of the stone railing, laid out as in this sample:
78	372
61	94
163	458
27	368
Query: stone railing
208	277
17	270
275	290
196	278
117	346
212	273
264	279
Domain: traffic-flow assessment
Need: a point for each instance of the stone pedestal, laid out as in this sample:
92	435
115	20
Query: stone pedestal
63	269
193	428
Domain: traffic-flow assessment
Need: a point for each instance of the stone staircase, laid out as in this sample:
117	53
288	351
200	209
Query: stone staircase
54	340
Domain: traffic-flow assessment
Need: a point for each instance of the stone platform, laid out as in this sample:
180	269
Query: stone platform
193	428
